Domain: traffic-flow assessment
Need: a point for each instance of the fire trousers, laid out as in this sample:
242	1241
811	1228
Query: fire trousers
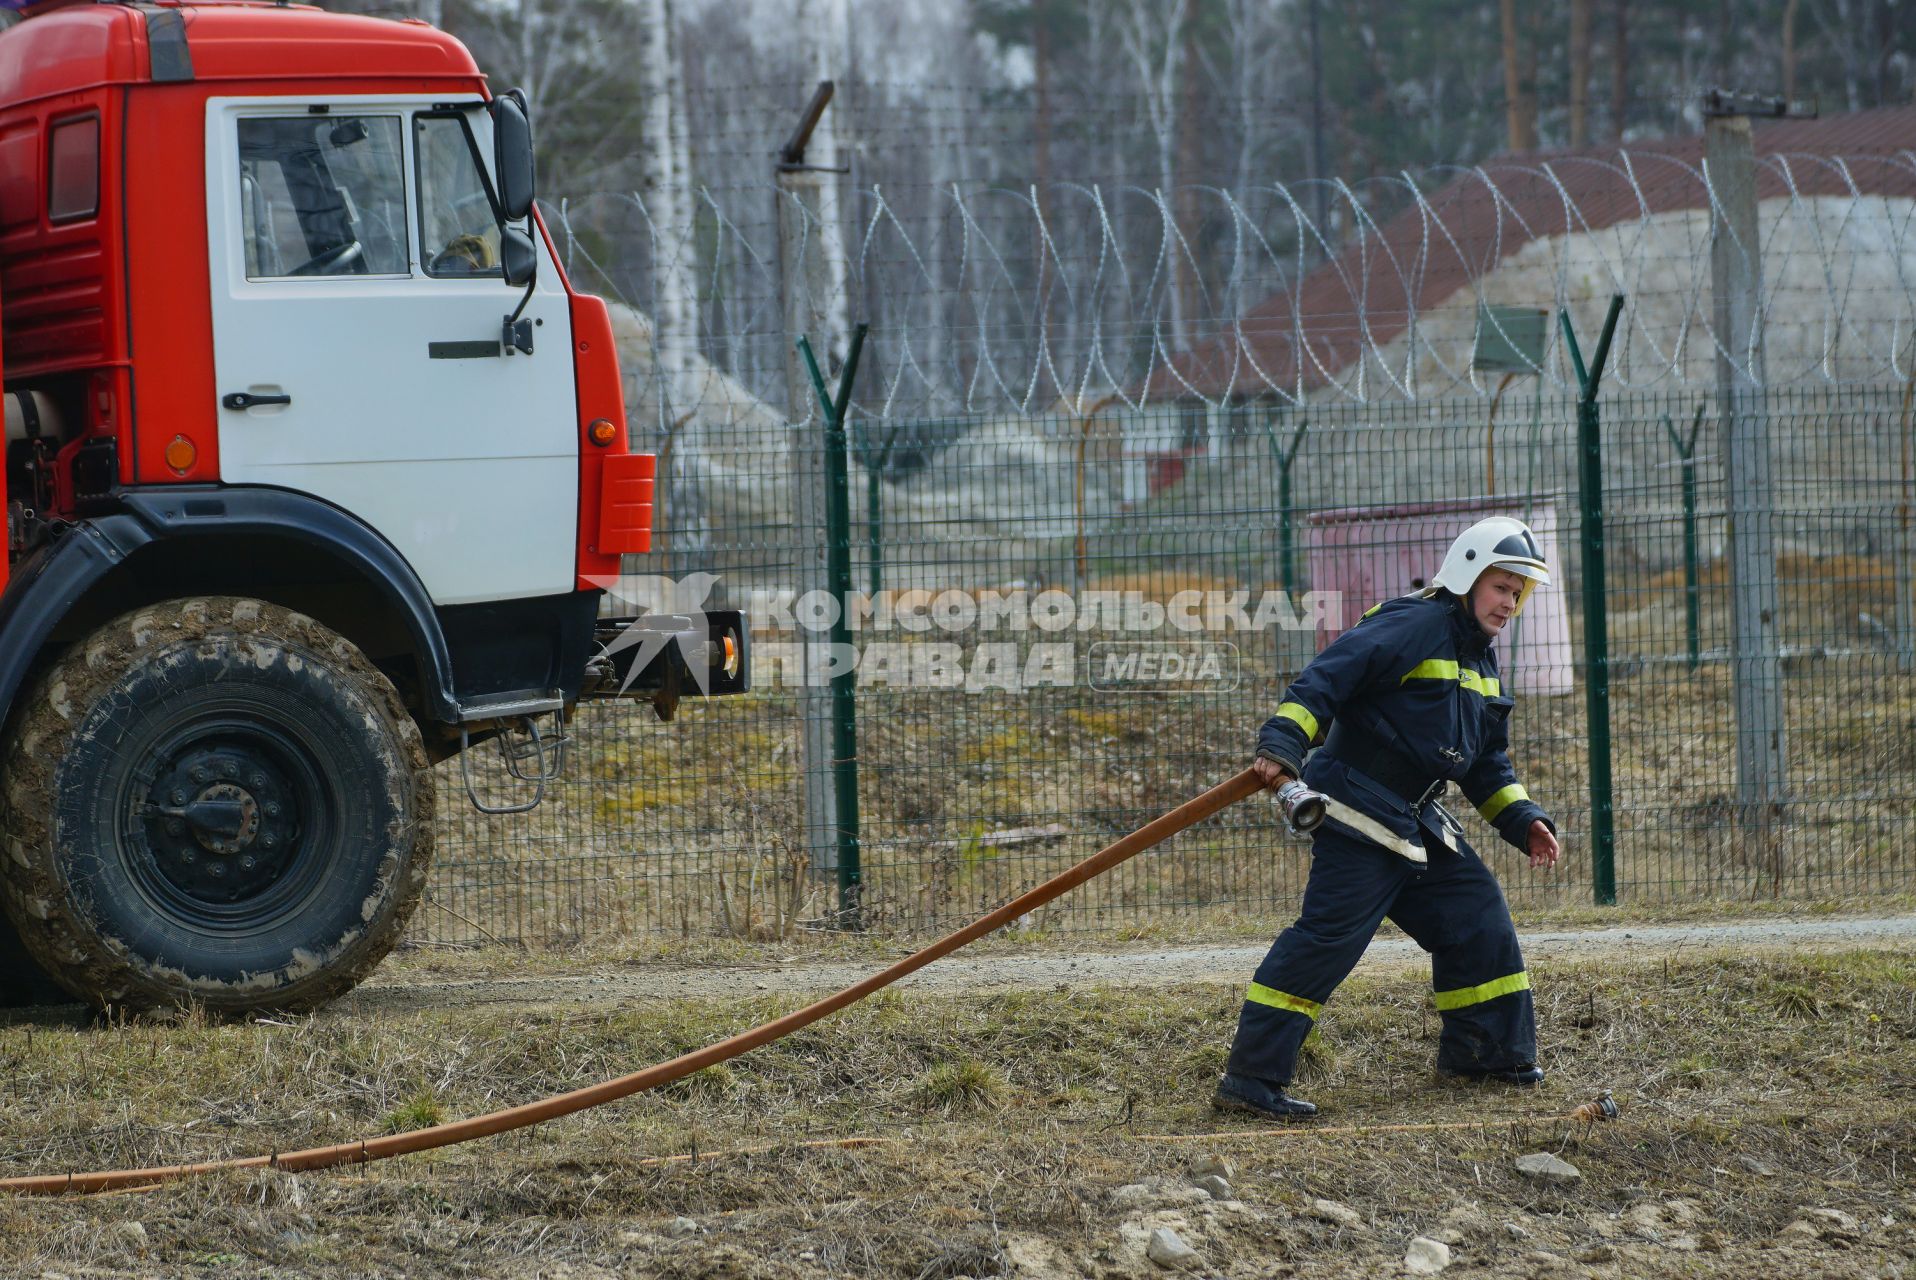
1453	909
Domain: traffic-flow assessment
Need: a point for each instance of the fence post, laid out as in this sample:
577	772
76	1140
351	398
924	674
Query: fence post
1692	600
804	286
838	520
1286	520
1736	275
1596	622
875	506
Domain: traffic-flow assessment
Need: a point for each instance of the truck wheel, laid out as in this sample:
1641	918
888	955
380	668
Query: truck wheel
213	801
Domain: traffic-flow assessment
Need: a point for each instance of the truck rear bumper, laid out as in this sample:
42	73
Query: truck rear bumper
669	656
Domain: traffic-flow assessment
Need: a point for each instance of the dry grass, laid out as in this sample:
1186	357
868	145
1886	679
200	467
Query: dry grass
1752	1090
1809	586
1161	582
696	828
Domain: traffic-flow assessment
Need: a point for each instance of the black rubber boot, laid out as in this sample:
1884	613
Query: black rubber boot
1523	1077
1260	1098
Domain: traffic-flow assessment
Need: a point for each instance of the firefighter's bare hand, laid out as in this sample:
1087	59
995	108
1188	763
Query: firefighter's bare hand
1544	849
1270	772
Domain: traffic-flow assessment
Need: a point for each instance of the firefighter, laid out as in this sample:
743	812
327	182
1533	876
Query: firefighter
1405	703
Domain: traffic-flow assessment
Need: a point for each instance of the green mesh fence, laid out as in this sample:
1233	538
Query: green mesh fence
1077	622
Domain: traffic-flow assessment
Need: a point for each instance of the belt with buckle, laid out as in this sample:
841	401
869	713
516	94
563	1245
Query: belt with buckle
1431	795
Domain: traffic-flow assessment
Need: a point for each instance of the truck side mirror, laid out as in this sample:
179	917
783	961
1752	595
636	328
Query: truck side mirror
512	154
518	257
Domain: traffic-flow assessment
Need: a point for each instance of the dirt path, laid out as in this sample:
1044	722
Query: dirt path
1154	967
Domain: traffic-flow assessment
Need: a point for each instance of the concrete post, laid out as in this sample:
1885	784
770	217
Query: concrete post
1905	545
805	293
1737	277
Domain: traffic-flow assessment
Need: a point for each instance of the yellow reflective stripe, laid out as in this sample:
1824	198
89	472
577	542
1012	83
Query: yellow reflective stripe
1301	715
1501	800
1373	609
1464	997
1261	994
1445	669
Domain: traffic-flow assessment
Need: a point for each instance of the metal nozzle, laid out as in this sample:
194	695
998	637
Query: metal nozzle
1303	809
1601	1107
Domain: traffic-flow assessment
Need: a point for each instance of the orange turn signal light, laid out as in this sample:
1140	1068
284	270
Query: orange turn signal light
181	454
730	665
602	432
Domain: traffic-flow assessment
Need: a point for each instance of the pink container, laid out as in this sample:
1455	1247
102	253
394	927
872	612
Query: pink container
1368	554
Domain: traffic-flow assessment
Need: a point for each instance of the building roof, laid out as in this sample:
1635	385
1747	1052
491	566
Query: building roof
1410	263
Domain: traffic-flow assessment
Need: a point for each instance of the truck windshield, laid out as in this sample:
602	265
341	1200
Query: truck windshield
323	195
458	230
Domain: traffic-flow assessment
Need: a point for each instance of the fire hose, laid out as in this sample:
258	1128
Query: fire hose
366	1150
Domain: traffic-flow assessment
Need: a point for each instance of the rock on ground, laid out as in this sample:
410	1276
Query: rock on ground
1217	1187
1426	1257
1212	1166
1824	1224
1339	1214
1135	1234
1545	1167
1167	1249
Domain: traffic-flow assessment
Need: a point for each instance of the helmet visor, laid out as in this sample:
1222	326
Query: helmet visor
1533	570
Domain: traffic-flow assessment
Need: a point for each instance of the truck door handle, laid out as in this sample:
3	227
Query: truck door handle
247	400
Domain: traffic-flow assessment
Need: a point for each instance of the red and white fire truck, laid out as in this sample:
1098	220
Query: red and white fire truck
314	466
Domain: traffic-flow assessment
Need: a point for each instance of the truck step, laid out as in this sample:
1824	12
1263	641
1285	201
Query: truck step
531	755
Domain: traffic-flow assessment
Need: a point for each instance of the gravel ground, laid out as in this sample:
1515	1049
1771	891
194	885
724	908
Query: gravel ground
1154	966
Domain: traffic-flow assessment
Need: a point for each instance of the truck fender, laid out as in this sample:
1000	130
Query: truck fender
52	581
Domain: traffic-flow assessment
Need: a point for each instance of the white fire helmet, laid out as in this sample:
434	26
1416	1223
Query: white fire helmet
1497	543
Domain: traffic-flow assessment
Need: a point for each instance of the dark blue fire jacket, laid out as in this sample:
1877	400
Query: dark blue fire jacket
1404	702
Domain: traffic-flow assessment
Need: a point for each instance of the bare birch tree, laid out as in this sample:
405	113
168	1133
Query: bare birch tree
569	58
824	30
665	194
1255	42
1151	34
1841	22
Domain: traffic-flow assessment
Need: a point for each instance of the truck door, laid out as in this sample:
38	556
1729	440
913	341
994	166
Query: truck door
357	310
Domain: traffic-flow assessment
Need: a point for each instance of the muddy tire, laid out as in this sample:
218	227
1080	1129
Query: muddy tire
213	801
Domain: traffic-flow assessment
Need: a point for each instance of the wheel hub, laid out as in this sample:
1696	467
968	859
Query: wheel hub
224	818
220	822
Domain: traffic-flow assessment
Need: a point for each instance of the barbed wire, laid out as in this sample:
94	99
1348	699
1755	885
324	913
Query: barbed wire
1020	299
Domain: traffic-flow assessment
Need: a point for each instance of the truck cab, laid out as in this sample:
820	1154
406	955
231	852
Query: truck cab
293	377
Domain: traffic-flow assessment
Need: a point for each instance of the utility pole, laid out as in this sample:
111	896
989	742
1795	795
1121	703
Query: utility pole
1736	273
806	296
